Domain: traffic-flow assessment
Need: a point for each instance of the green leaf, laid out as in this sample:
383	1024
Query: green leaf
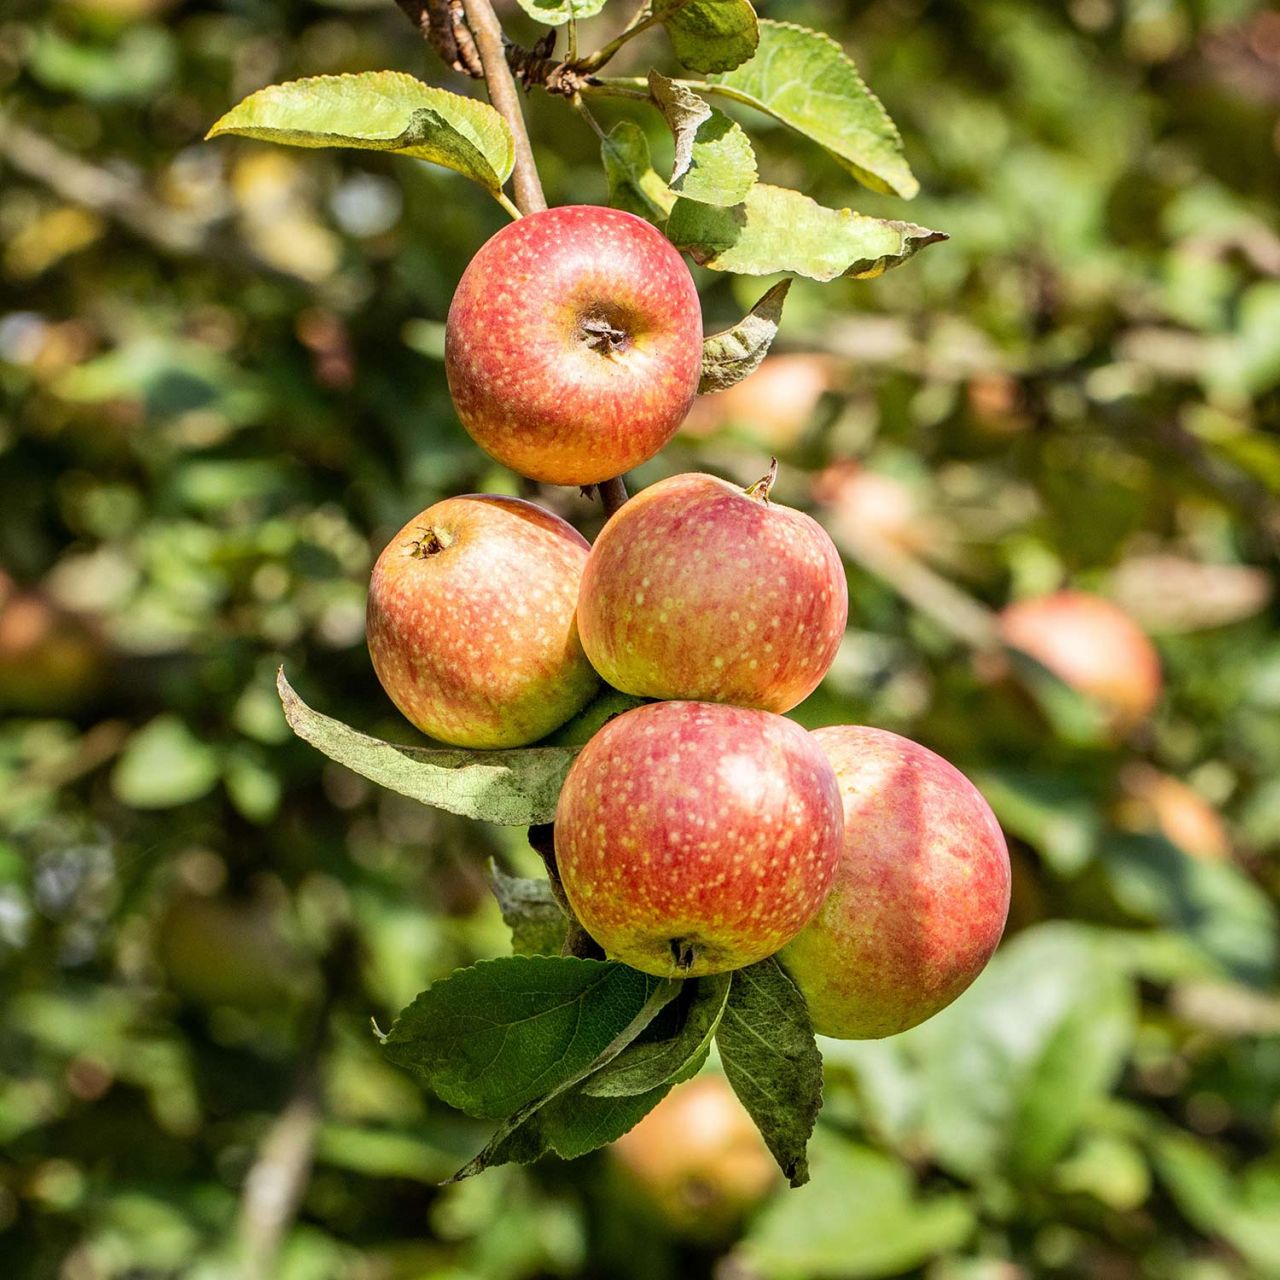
531	912
804	79
555	13
571	1125
770	1058
776	229
1214	904
1243	1211
733	354
634	184
494	1038
710	35
513	788
859	1217
516	1140
164	765
380	111
1053	812
714	162
666	1053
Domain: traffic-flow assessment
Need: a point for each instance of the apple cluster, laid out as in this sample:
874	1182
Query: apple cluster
701	831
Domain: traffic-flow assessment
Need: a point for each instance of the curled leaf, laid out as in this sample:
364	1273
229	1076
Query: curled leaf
733	354
714	161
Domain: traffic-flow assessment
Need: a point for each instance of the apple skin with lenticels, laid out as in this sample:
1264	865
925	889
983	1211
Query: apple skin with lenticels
702	590
694	838
471	623
920	896
573	345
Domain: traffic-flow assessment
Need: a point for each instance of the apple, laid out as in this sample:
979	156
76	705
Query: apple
702	590
697	1160
920	896
695	838
216	951
52	661
1156	801
574	344
772	407
1092	645
471	622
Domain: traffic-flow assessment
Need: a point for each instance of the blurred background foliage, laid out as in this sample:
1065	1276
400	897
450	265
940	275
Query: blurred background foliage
222	391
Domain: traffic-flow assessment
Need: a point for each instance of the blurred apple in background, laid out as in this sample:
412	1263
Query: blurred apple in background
223	951
772	407
52	661
1154	801
697	1161
858	499
1092	645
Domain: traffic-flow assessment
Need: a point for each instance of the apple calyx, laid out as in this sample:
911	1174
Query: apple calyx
760	490
603	333
429	542
684	954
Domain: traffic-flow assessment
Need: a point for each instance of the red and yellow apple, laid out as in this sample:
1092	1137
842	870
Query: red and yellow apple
1092	645
697	1160
695	838
471	622
574	344
699	589
920	896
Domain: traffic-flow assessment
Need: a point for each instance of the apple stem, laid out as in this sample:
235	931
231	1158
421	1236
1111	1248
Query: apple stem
760	490
613	493
487	32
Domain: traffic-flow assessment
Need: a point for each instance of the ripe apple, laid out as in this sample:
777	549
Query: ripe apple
697	1160
699	589
471	622
772	407
695	838
574	344
1156	801
919	899
1092	645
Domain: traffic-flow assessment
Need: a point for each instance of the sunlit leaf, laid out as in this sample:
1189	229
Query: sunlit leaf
714	162
379	111
513	788
556	12
710	35
776	230
804	79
